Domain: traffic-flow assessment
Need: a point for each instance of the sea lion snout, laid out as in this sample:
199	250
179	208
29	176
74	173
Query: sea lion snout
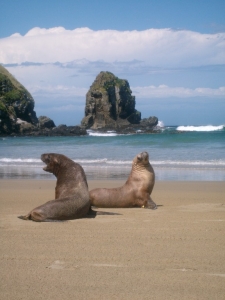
143	157
51	160
46	158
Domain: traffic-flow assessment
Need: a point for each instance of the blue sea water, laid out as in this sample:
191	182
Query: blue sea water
187	153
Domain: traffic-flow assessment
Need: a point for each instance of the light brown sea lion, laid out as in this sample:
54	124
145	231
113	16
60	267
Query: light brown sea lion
134	193
71	192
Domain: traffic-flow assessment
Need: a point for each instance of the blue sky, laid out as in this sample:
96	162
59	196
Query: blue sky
171	52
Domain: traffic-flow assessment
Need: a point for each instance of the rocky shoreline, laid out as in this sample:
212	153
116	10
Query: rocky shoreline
63	130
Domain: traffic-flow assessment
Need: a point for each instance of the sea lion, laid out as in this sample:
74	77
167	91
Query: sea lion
134	193
71	192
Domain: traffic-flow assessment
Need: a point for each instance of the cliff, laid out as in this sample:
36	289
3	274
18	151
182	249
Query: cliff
15	102
17	115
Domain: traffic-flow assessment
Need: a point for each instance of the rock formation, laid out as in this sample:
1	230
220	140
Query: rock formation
45	122
15	103
17	115
111	106
109	103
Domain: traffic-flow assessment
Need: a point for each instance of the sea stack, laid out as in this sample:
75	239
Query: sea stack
109	103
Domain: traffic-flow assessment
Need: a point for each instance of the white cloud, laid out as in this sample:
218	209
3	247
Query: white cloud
68	82
164	91
156	47
57	91
64	108
161	91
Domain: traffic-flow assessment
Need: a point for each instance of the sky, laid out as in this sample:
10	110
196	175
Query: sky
171	52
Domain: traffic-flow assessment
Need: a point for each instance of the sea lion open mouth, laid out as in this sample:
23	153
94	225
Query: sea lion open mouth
46	159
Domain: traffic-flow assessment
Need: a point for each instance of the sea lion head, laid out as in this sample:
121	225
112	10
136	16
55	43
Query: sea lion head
52	161
141	159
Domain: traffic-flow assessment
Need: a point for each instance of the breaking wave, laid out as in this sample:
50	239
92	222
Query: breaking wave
19	160
206	128
114	163
108	133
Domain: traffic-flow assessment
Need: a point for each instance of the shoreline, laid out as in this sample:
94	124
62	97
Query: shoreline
175	252
118	173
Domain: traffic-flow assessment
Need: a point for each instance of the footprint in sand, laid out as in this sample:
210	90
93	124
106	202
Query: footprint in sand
57	265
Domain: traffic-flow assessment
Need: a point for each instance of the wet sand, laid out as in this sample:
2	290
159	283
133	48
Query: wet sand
174	252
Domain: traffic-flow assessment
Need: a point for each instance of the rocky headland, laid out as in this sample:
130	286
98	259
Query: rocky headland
17	115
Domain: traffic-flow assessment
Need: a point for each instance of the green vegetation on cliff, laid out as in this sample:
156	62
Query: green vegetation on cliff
15	102
109	103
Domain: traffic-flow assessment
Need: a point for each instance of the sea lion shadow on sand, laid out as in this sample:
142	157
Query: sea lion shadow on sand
93	213
134	193
71	192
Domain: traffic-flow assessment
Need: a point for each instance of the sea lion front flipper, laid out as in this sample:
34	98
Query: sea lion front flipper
151	204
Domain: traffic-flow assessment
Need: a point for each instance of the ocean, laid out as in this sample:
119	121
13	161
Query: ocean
185	153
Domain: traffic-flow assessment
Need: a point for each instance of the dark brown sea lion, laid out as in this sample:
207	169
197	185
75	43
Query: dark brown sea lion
134	193
71	192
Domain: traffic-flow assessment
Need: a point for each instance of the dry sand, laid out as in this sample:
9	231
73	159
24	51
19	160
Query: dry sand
174	252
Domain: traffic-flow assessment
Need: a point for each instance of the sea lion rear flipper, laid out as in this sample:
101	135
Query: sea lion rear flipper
27	217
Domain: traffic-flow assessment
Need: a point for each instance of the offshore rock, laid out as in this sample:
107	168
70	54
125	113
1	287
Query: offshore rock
27	129
46	122
110	104
148	125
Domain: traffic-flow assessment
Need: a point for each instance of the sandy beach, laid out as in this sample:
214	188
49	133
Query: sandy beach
174	252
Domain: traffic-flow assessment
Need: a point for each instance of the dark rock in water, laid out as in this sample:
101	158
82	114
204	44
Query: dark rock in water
145	126
63	130
109	103
46	122
28	129
149	122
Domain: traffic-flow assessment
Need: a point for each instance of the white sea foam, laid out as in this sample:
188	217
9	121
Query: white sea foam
159	163
214	163
91	161
200	128
20	160
108	133
104	162
160	124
